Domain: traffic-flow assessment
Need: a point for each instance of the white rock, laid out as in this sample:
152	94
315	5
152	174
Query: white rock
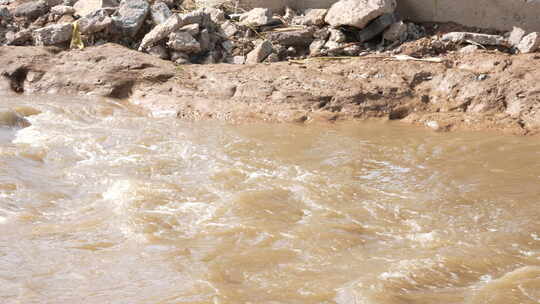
515	36
61	10
183	42
529	43
161	31
358	13
484	39
336	36
256	17
396	32
85	7
469	49
260	52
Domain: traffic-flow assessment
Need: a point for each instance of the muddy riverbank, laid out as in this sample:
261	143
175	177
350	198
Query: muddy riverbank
478	91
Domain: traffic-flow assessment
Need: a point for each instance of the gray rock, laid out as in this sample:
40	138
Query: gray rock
272	58
210	58
61	10
95	22
53	34
376	27
515	36
86	7
260	52
301	38
529	43
159	51
204	40
160	12
31	10
256	17
19	38
358	13
396	32
314	17
131	16
484	39
183	42
227	46
192	29
4	14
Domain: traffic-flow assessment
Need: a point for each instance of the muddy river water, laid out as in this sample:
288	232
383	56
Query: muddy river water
100	204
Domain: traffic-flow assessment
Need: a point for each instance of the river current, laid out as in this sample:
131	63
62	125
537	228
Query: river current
101	204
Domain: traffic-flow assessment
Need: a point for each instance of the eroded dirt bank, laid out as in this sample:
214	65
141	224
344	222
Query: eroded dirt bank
478	90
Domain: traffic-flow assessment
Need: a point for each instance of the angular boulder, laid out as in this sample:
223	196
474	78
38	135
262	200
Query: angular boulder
260	52
515	36
95	22
256	17
132	15
183	42
314	17
529	43
31	10
358	13
53	34
302	38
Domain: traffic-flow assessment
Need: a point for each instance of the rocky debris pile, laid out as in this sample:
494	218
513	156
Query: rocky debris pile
169	30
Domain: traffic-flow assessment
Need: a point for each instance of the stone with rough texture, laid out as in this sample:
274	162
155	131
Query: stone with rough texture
53	34
376	27
86	7
396	32
229	28
468	49
161	31
260	52
529	43
192	29
484	39
183	42
61	10
31	10
95	22
132	14
256	17
358	13
160	12
316	46
314	17
515	36
301	38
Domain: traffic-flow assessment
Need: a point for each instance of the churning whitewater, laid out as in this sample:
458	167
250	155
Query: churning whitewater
101	204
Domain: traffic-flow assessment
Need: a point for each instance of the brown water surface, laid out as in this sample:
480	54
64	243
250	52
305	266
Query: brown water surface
99	204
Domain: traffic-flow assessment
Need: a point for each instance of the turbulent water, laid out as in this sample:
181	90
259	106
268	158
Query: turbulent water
100	204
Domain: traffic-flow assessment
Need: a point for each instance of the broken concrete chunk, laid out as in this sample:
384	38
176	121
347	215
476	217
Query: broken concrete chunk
132	14
515	36
314	17
192	29
86	7
336	35
260	52
53	34
396	32
529	43
358	13
95	22
256	17
484	39
31	10
161	31
376	27
292	38
61	10
160	12
183	42
229	29
316	46
216	15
